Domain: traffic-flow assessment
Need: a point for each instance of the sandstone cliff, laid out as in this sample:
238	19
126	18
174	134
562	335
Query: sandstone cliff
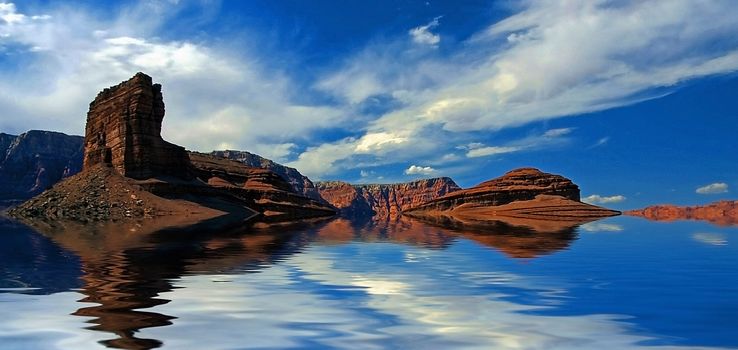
524	193
130	172
721	213
299	182
385	200
124	130
34	161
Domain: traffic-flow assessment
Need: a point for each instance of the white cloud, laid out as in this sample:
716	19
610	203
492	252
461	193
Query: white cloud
602	141
215	96
423	34
556	59
597	199
419	170
713	188
490	150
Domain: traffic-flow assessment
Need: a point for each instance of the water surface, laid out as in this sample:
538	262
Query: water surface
620	283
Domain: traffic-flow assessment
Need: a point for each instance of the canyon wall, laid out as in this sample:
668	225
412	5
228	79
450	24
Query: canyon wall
34	161
383	200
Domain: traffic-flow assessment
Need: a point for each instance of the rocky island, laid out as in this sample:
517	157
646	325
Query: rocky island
130	172
724	213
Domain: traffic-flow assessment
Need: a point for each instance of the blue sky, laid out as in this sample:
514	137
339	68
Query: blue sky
635	101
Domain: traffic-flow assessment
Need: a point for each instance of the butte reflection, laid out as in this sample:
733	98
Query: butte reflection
126	267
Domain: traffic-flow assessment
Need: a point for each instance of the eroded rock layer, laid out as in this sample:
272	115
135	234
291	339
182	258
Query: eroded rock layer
124	130
34	161
722	213
300	183
384	200
525	193
516	185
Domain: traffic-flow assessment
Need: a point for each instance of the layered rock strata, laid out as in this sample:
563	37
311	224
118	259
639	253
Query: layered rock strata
525	193
300	183
124	130
131	173
34	161
723	213
383	200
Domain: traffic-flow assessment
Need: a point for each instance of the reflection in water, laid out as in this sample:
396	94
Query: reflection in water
126	267
335	284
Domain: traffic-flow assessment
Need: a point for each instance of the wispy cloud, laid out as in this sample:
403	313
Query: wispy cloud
715	239
597	199
713	188
423	34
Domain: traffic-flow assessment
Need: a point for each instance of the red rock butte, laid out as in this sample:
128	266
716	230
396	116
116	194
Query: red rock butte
124	130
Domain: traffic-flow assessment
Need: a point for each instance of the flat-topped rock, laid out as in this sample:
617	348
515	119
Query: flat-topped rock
124	130
721	213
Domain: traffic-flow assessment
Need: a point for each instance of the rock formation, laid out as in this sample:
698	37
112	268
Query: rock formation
383	201
524	193
34	161
300	183
131	173
124	130
723	213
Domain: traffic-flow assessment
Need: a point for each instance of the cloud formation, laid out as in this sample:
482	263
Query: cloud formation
423	34
713	188
597	199
419	170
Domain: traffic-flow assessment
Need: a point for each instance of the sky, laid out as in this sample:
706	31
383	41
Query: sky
635	101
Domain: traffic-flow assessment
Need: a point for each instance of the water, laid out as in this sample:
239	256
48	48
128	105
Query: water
620	283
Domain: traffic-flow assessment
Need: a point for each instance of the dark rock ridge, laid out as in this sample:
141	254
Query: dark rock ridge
124	130
300	183
130	172
383	200
721	213
34	161
525	193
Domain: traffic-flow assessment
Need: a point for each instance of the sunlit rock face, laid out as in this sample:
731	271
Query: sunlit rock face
721	213
516	185
525	193
383	200
124	130
34	161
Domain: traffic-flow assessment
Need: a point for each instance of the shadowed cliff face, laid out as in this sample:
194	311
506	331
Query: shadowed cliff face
34	161
384	200
723	213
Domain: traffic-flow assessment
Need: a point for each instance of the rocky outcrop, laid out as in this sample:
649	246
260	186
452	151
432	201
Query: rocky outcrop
34	161
124	130
723	213
131	173
525	193
385	200
299	182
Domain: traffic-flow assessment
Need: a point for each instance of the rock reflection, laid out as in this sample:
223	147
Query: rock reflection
126	267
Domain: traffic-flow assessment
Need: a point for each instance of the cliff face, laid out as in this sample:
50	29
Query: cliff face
34	161
721	213
525	193
130	172
299	182
383	201
124	130
516	185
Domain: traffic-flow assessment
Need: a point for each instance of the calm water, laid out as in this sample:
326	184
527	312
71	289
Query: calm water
619	283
